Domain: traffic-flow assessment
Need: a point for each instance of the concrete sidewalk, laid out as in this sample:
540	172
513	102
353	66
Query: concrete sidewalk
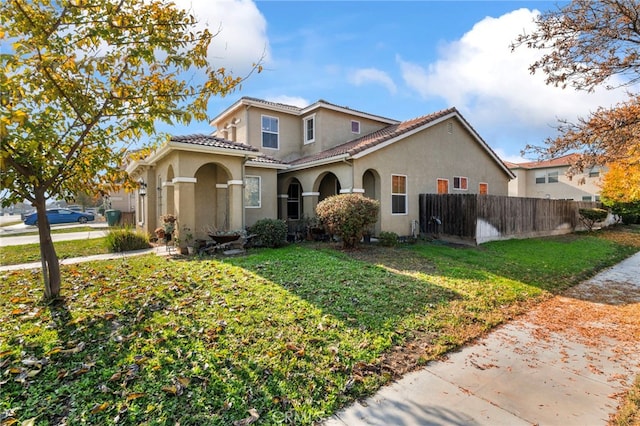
564	363
160	250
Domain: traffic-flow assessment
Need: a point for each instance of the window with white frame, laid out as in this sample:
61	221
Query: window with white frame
252	192
541	177
309	129
552	177
398	194
355	127
460	182
586	198
269	132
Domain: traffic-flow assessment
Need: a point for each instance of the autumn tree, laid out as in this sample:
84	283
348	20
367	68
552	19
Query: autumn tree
586	44
83	81
621	188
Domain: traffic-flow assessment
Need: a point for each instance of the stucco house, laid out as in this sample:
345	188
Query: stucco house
271	160
549	179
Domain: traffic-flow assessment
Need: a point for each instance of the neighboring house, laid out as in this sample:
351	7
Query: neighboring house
548	179
270	160
121	200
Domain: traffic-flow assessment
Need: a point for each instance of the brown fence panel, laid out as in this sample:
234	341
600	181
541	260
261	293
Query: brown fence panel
489	217
450	214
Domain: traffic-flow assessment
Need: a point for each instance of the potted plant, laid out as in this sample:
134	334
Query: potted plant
188	239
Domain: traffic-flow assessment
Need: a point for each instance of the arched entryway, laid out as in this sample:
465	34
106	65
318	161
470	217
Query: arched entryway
329	185
211	199
295	209
371	186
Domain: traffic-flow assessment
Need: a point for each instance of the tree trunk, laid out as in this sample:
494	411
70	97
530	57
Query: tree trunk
50	263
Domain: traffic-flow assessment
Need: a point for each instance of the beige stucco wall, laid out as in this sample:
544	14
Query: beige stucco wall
205	191
289	132
269	196
566	188
423	158
333	128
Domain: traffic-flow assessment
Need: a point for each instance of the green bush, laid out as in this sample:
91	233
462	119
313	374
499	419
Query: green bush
589	217
119	240
348	216
388	239
269	232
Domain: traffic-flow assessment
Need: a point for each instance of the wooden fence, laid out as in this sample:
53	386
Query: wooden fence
481	218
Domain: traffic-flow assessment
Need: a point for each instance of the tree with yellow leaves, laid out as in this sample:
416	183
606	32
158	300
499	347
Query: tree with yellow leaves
585	44
621	187
82	81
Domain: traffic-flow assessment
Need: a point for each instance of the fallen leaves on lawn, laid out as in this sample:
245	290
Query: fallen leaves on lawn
177	387
253	417
99	408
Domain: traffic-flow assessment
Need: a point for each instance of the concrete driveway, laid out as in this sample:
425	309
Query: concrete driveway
566	362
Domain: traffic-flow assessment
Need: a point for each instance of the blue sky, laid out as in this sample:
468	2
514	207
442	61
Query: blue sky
397	59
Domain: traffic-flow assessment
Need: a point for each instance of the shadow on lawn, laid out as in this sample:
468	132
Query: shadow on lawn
361	293
99	369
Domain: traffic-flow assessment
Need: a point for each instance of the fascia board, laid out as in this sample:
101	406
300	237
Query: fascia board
343	110
477	137
258	164
322	162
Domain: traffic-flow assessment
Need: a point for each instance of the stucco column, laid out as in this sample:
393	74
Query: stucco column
184	199
309	203
236	204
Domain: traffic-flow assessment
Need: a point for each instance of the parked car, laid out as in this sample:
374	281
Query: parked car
60	216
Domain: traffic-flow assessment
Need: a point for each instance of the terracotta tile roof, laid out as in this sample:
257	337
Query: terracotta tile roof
368	141
565	160
212	141
293	108
265	159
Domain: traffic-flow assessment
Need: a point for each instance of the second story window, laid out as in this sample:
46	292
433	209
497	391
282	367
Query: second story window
310	129
355	127
460	182
269	132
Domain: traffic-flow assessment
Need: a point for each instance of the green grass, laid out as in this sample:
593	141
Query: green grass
12	255
292	333
629	411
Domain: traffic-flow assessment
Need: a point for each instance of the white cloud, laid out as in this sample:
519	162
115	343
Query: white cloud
504	156
485	80
289	100
241	29
372	75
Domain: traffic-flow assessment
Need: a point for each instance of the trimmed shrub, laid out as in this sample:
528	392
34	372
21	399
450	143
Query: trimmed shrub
589	217
119	240
269	232
348	216
388	239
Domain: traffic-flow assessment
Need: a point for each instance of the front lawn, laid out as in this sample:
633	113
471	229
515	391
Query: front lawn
12	255
287	335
